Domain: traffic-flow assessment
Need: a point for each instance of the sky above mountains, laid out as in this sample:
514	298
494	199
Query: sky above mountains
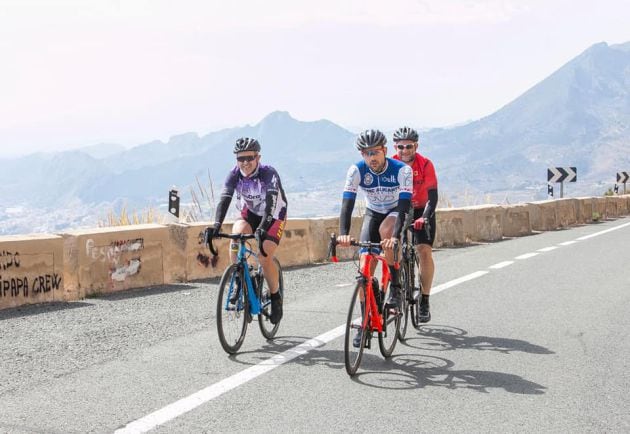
76	73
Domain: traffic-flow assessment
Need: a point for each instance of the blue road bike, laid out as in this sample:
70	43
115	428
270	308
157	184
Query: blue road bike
243	294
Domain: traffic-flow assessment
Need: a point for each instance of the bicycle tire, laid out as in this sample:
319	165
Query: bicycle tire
404	301
353	355
231	320
388	338
268	329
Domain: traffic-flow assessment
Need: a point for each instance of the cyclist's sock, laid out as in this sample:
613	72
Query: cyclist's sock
425	299
276	307
395	275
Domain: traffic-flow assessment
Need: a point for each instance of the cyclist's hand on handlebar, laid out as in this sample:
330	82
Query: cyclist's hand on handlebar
210	232
418	224
389	243
344	240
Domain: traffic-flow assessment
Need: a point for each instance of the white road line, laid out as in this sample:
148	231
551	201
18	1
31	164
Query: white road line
501	265
568	243
193	401
596	234
527	255
341	285
457	281
547	249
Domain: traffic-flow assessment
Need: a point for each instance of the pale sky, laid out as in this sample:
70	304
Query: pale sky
80	72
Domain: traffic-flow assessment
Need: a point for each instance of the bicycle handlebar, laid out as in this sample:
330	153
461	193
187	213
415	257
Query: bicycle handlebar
240	237
332	247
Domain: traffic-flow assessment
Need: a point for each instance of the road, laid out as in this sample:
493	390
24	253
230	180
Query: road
528	334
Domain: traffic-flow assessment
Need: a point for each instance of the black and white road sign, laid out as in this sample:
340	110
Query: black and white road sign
561	174
173	202
616	189
549	190
622	177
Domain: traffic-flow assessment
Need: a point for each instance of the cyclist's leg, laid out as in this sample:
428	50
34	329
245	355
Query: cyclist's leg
424	247
386	230
241	226
370	232
270	271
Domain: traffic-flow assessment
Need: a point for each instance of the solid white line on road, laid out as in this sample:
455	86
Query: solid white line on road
501	265
193	401
568	243
596	234
547	249
526	256
341	285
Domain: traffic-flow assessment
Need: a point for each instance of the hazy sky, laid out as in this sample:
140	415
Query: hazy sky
78	72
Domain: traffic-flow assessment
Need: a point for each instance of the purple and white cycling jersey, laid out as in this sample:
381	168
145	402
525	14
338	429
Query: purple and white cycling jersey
251	191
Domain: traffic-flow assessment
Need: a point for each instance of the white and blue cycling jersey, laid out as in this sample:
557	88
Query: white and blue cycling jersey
382	190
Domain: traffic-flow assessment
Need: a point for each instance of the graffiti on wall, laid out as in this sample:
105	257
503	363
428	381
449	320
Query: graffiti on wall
9	259
23	286
119	269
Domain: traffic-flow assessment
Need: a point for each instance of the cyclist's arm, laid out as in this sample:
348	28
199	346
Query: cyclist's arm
433	199
225	200
349	197
271	201
404	199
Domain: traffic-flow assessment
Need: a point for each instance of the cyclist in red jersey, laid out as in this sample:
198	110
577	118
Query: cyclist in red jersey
425	191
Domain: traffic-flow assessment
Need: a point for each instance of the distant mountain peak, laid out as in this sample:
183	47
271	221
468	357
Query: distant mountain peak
277	116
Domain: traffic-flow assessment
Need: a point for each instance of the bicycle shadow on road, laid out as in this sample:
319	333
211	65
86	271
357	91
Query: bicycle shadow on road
416	371
447	338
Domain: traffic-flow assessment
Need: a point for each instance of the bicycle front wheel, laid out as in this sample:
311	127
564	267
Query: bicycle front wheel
232	307
354	326
268	329
391	325
407	289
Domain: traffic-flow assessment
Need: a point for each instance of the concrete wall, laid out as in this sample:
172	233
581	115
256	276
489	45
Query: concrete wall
78	264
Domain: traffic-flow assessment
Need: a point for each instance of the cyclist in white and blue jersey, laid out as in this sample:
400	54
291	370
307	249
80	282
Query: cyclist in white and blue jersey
387	185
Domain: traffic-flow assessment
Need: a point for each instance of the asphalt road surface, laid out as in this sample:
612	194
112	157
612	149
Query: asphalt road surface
528	334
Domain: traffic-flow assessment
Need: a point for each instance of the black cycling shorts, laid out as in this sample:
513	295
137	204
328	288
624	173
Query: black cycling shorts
371	223
420	237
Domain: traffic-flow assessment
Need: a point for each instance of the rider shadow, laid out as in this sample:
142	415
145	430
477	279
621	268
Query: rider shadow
416	371
446	338
270	349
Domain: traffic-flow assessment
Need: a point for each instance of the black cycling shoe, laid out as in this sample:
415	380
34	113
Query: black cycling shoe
276	308
394	298
424	315
356	341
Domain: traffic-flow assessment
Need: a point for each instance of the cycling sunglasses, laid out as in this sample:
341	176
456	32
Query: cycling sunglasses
401	147
371	152
246	158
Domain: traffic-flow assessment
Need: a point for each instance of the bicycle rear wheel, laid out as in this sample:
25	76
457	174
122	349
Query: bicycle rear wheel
391	325
231	317
268	329
354	324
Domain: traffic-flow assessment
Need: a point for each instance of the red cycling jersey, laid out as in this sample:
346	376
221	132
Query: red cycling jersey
424	179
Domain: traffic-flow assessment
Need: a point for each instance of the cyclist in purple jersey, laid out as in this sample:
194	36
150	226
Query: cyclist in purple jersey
263	206
387	185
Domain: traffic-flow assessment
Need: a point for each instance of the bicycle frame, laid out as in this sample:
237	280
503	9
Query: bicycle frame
366	274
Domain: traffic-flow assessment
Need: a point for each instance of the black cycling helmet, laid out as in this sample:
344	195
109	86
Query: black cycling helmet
246	144
370	139
406	133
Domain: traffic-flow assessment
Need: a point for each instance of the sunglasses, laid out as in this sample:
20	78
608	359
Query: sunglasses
401	147
371	153
246	158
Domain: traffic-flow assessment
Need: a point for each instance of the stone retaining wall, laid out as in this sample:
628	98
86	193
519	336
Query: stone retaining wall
82	263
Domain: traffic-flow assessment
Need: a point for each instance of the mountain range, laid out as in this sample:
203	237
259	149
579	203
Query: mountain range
578	116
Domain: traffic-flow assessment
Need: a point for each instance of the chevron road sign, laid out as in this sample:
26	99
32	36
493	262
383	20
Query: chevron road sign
623	177
561	174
